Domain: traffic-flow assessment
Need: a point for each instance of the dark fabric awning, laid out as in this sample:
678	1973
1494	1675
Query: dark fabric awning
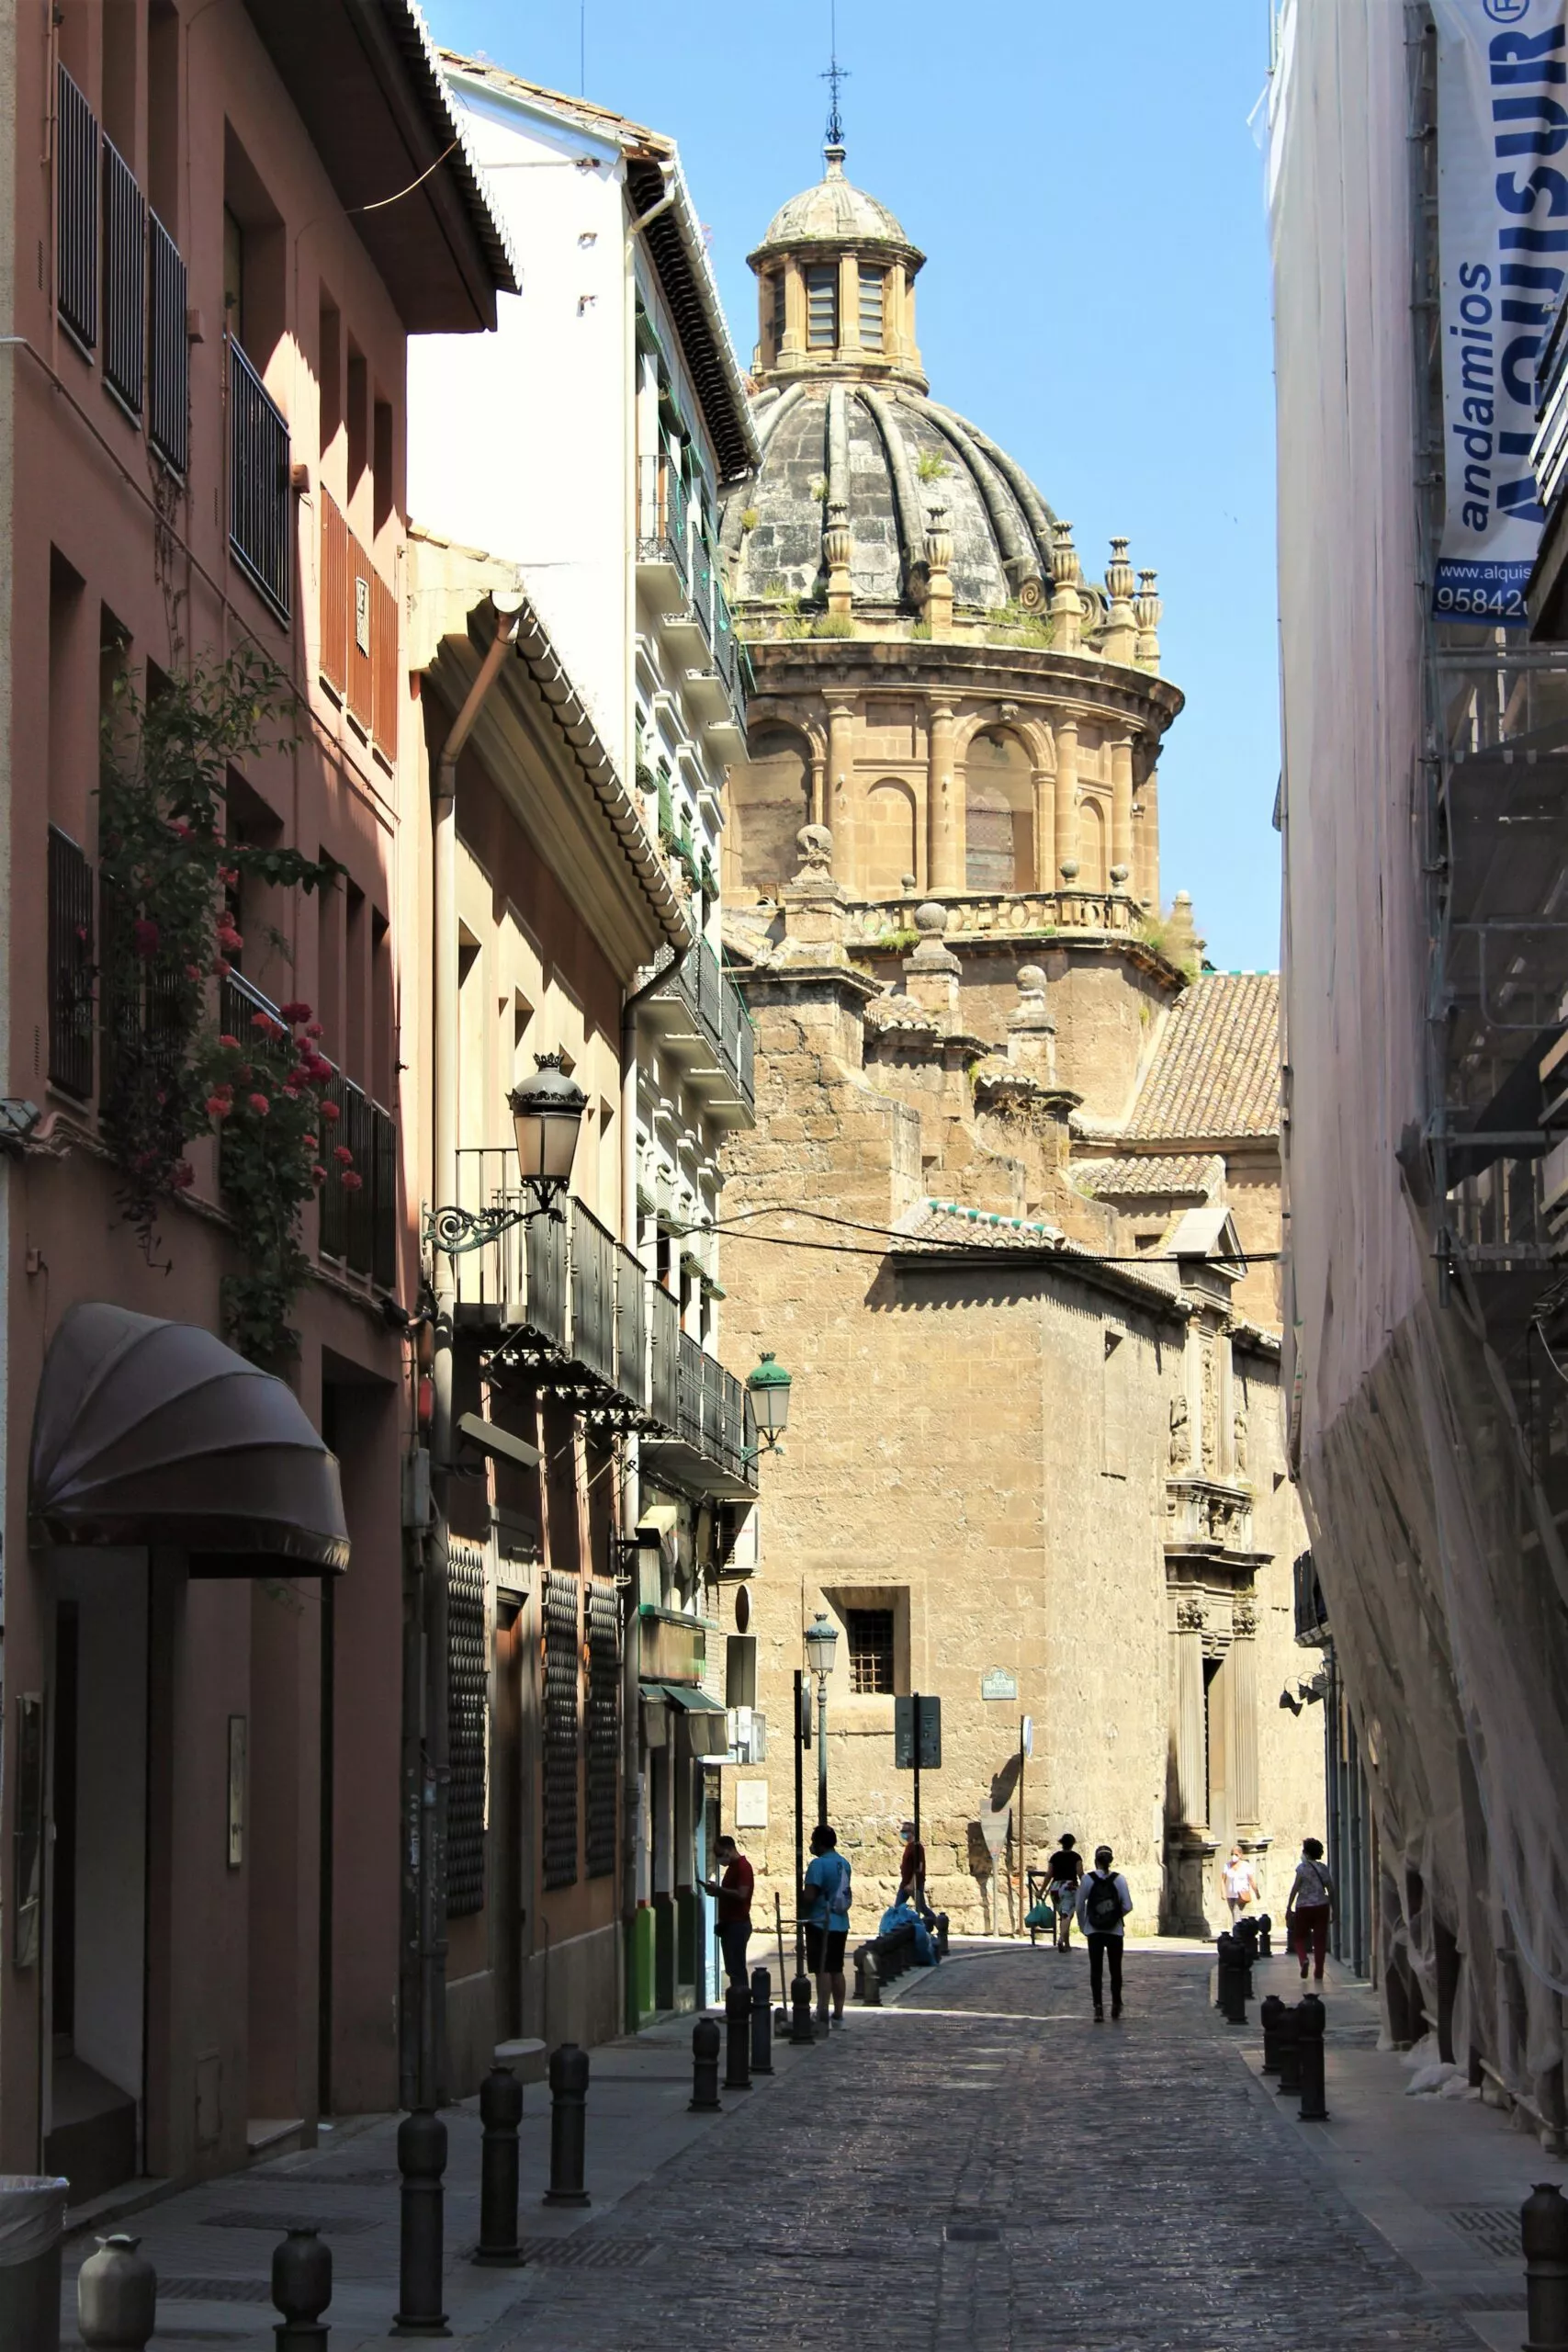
152	1432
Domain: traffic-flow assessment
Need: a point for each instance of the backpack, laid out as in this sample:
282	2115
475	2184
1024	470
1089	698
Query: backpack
1102	1905
838	1901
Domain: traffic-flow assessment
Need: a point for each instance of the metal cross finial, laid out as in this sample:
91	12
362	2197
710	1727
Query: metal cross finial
834	76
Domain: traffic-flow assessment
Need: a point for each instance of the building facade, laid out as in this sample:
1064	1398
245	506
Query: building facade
209	750
1010	1210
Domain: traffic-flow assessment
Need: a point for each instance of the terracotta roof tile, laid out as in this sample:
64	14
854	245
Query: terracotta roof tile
1197	1173
1216	1067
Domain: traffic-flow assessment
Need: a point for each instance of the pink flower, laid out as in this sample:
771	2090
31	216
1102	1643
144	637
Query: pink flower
193	971
296	1010
180	829
265	1021
222	969
218	1107
298	1077
315	1030
290	1094
331	1111
227	876
232	1043
229	939
342	1155
320	1070
351	1182
146	936
259	1104
313	1143
184	1176
318	1175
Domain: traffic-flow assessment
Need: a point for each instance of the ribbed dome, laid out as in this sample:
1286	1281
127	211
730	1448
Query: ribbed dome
896	460
833	212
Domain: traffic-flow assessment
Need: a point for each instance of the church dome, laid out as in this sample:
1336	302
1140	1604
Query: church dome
833	212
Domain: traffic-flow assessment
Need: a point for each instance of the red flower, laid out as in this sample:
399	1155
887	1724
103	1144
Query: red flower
296	1010
193	971
331	1111
315	1030
222	969
313	1143
229	939
298	1077
259	1104
227	1040
351	1182
220	1105
320	1070
81	933
228	876
180	829
184	1176
265	1021
290	1094
342	1155
318	1175
146	936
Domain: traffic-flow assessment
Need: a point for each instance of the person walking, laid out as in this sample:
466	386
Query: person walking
1103	1905
1310	1908
912	1870
1239	1882
825	1898
1062	1872
733	1893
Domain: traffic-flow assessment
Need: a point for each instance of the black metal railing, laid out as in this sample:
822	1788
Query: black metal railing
720	1007
664	1358
168	349
1312	1616
258	485
712	1412
593	1295
663	516
631	1328
125	281
70	966
76	207
545	1251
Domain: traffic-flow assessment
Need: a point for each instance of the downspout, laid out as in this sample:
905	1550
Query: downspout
436	1760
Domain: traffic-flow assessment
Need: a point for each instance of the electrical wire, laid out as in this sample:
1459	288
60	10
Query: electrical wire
919	1244
382	201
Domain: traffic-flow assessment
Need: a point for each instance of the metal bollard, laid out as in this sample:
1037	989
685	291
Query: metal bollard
800	2027
569	2126
1265	1927
762	2022
117	2297
706	2040
1543	2230
738	2037
1231	1980
1288	2032
1310	2021
942	1934
501	2112
422	2160
302	2290
1269	2017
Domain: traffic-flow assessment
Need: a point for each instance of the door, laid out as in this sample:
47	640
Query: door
508	1811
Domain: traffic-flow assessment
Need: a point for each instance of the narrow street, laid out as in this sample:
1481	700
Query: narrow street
976	2165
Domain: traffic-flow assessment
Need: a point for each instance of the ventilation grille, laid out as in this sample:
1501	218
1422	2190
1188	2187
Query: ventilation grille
603	1725
560	1663
468	1728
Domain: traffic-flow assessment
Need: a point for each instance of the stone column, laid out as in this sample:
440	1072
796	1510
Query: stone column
1192	1792
844	817
849	302
1145	863
794	312
1066	797
895	324
1122	803
818	769
945	823
1044	824
1243	1680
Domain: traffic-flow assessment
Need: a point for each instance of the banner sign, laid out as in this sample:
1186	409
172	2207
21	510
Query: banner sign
1503	238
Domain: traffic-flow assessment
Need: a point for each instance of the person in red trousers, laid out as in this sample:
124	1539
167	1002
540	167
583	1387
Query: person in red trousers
1310	1909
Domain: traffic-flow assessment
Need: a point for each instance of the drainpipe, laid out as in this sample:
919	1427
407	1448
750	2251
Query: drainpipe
436	1761
661	203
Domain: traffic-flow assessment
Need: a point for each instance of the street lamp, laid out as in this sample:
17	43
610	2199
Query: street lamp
821	1641
546	1115
769	1388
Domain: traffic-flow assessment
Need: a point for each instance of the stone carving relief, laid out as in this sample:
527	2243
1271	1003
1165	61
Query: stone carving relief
1243	1620
1210	1435
815	843
1238	1441
1189	1615
1180	1439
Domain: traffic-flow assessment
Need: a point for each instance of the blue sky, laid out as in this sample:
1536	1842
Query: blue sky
1086	186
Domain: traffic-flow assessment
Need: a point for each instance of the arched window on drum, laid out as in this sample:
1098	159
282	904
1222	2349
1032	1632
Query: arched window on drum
1091	838
889	860
999	800
770	801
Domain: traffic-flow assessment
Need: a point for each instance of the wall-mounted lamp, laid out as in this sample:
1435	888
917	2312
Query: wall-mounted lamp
769	1388
546	1117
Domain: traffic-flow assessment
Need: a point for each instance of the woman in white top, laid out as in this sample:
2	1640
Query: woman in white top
1240	1883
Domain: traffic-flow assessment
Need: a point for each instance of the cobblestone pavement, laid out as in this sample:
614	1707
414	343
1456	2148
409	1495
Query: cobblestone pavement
982	2167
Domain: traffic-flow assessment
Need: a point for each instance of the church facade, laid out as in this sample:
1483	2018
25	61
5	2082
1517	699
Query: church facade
1010	1211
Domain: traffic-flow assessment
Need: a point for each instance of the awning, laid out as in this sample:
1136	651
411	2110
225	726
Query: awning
690	1701
152	1432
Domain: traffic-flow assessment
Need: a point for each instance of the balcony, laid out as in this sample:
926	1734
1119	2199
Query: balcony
168	349
124	282
707	1441
77	213
701	1018
1312	1615
259	535
663	533
591	1259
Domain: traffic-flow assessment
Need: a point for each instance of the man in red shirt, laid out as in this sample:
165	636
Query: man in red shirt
912	1870
734	1892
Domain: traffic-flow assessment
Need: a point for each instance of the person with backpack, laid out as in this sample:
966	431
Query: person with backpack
1310	1908
1103	1905
1064	1873
825	1898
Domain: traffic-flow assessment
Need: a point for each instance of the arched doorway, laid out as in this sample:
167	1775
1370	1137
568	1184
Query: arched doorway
771	801
999	800
889	837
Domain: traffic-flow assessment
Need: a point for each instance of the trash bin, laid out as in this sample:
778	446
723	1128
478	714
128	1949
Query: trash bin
32	2215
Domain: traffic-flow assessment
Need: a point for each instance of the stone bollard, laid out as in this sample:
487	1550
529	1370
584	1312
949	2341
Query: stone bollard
738	2037
501	2112
800	2027
868	1976
762	2022
707	2041
422	2160
1288	2033
569	2126
1269	2017
1311	2019
117	2297
302	2290
1543	2229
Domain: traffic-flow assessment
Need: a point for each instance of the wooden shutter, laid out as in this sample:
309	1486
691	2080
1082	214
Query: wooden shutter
359	623
336	602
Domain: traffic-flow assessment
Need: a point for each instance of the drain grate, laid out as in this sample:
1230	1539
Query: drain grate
600	2253
333	2225
1496	2227
323	2176
972	2233
214	2290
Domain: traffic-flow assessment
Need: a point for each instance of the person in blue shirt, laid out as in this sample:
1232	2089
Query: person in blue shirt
825	1900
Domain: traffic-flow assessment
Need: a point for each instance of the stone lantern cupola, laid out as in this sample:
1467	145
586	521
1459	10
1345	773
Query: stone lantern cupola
836	288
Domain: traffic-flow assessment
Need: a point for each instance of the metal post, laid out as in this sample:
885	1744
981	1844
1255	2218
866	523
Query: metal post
1543	2230
1269	2018
1310	2021
302	2290
1289	2034
501	2112
762	2021
738	2037
705	2042
422	2160
569	2125
821	1752
1022	1874
800	1989
915	1724
1231	1981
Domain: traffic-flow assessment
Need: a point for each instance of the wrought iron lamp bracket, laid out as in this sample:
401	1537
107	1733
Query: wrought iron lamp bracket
455	1231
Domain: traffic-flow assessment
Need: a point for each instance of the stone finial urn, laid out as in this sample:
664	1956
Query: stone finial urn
117	2297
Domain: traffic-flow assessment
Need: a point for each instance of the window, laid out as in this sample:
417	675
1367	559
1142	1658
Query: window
822	306
778	283
871	1651
871	284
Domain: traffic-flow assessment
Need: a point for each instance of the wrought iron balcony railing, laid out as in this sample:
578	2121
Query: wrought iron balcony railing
259	535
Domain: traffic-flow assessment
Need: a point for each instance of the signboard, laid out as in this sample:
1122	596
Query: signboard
1026	1736
751	1805
997	1683
905	1714
1503	256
